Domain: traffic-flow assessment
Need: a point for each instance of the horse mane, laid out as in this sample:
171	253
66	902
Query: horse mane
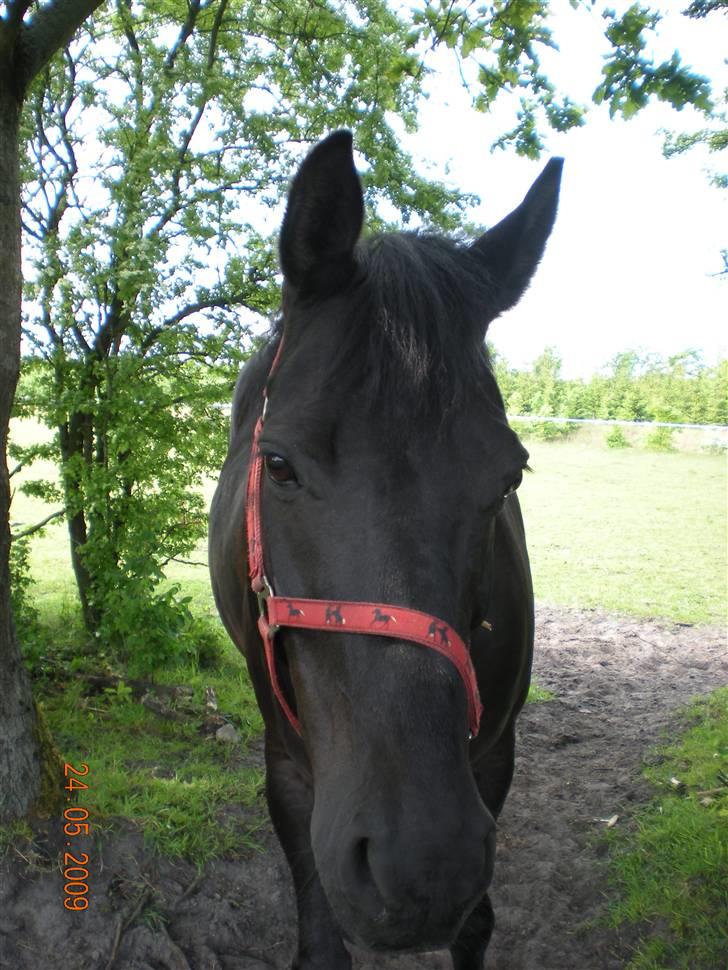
416	313
426	312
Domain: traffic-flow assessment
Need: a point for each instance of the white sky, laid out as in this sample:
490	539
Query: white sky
628	265
637	236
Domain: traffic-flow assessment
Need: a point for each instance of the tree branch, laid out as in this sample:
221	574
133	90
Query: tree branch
51	27
38	526
184	562
221	303
16	11
173	206
193	11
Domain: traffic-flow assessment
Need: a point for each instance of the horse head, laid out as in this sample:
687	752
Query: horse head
388	473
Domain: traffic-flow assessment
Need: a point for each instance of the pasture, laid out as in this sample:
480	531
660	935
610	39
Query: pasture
631	532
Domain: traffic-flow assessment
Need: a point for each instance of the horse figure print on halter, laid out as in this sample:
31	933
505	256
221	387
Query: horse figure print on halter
385	612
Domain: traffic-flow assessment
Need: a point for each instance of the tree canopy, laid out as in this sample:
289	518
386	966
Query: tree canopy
681	388
156	148
157	138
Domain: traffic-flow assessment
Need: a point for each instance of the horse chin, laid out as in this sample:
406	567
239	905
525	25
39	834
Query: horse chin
401	939
387	948
386	933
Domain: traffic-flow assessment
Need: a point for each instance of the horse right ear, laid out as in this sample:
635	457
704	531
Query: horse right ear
324	217
511	250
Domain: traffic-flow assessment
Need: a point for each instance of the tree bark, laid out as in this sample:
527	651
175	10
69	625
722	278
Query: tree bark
20	764
72	446
25	47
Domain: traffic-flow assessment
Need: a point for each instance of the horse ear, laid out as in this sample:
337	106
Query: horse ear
513	248
324	215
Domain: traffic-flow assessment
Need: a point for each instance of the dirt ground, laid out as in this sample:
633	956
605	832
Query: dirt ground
617	682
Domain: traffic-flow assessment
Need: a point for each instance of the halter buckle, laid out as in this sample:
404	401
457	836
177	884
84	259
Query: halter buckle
263	591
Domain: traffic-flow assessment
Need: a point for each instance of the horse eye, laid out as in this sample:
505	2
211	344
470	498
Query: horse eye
279	470
513	486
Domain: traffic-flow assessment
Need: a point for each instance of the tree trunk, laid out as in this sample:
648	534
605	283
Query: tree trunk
78	538
20	759
28	762
72	447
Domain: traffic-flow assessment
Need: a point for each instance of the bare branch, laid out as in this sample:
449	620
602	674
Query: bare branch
29	231
38	526
184	562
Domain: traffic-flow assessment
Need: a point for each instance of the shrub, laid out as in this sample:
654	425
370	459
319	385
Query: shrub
616	438
204	643
660	439
143	628
543	430
24	613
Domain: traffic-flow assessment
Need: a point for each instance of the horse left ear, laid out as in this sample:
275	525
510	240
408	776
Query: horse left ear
513	248
324	216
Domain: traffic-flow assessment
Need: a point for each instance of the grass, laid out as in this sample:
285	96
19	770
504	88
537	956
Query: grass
538	694
163	775
627	530
191	795
630	531
671	870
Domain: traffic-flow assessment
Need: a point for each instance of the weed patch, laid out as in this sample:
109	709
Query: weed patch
538	694
671	870
160	768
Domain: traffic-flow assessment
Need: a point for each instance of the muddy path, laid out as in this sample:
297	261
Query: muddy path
618	683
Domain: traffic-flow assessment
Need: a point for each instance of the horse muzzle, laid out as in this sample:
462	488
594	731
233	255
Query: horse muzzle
412	891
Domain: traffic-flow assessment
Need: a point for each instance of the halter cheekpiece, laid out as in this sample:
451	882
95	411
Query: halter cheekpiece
338	616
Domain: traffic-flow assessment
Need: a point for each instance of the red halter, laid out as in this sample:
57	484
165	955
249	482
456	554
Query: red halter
337	616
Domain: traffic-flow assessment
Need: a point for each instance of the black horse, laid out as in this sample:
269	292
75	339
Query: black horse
389	472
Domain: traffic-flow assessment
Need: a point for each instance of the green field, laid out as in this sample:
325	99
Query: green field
627	530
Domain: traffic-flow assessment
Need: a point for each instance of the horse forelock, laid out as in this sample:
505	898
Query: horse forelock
430	304
409	330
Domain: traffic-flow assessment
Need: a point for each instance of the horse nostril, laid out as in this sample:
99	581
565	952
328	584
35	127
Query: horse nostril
360	861
360	880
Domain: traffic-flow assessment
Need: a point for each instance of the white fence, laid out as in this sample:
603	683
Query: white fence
551	419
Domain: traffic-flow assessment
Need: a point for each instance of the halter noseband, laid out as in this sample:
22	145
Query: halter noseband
339	616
